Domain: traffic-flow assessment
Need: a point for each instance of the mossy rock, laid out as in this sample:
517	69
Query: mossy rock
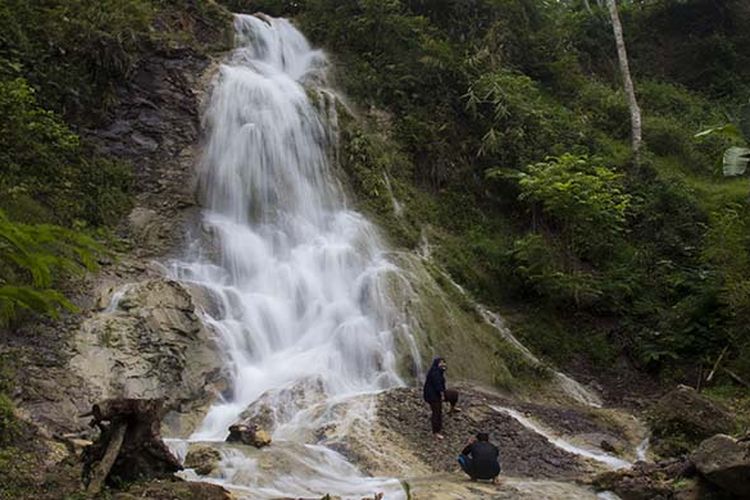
682	418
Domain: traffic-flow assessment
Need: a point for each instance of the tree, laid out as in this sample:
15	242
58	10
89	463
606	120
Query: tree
622	56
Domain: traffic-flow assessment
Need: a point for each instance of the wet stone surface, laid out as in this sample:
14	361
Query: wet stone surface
522	452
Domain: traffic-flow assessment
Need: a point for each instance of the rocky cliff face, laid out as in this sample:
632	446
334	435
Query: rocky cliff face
138	334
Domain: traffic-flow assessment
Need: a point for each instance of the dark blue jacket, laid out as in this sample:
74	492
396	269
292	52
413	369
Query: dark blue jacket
434	384
484	463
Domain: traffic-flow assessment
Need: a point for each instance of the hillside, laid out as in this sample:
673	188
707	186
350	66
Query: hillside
475	187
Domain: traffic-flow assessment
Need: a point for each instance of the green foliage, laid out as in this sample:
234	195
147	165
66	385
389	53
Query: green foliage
714	61
31	257
8	426
497	86
44	172
736	158
541	270
73	50
583	198
521	121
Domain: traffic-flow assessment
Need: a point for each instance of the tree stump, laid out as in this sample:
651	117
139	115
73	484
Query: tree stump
130	447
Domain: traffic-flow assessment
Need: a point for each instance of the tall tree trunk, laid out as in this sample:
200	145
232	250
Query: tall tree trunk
627	81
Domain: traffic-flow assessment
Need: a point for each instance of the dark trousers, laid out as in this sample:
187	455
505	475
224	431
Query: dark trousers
437	416
467	465
451	396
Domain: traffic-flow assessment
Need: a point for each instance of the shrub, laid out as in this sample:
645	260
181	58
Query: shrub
31	258
44	167
581	198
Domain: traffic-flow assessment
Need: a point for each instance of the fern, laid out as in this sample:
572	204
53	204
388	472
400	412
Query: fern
32	257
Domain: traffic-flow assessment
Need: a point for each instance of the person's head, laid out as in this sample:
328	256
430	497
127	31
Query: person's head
483	436
439	362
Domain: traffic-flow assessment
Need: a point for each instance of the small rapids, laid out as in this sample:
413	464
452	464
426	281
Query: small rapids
610	461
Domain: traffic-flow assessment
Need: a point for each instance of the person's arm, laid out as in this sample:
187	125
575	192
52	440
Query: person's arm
469	446
441	382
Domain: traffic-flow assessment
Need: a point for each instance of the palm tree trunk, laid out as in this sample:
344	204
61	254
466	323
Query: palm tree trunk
627	81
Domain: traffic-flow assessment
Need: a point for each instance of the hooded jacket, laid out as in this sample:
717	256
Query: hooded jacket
434	384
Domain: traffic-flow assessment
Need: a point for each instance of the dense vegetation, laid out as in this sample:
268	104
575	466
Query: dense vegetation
499	126
60	64
504	132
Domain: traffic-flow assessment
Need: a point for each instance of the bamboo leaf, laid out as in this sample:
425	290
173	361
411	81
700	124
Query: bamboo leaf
728	130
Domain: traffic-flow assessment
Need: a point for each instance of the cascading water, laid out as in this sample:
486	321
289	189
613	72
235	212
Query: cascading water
296	277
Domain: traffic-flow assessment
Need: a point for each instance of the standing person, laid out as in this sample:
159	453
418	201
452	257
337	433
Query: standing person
435	393
479	459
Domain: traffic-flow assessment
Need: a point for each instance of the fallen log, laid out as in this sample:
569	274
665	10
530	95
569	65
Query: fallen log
129	447
102	468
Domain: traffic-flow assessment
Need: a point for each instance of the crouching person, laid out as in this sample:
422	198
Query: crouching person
480	458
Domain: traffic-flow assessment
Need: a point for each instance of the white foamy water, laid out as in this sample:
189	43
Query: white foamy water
296	278
117	296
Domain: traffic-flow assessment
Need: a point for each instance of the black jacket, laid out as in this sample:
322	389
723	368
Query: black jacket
484	459
434	384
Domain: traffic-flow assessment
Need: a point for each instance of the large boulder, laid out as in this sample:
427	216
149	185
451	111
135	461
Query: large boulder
279	405
148	342
725	462
682	418
645	481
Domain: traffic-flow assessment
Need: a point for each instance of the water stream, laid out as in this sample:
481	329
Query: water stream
607	459
297	281
295	276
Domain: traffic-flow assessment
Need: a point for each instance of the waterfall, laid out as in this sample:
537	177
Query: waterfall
295	276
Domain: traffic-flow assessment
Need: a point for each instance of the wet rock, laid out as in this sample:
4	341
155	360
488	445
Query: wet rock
277	406
725	462
608	447
148	228
645	481
682	418
522	452
203	459
248	434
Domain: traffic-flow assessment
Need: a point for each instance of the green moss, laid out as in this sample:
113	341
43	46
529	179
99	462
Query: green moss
18	470
8	425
